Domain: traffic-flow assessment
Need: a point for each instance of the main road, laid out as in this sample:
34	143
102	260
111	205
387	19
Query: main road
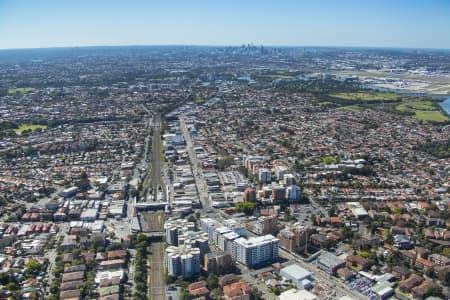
201	188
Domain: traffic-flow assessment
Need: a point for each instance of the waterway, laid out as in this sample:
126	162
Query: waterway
446	105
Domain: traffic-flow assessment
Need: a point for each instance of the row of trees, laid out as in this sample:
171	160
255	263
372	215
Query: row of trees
140	272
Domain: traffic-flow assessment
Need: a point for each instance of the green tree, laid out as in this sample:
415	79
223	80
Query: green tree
347	233
446	252
12	286
217	293
32	268
246	207
212	281
256	294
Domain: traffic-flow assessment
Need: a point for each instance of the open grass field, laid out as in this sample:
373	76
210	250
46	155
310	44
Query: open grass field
366	96
352	108
424	111
31	127
20	90
416	105
432	116
325	103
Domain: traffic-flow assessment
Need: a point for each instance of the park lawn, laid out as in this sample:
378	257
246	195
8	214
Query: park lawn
199	101
352	108
416	105
433	116
324	103
366	96
31	127
20	90
424	111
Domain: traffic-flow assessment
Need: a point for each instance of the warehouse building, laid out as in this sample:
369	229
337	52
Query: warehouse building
300	277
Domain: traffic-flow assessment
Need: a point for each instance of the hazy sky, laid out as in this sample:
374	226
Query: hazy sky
382	23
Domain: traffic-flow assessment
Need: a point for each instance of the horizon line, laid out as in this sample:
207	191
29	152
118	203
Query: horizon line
223	46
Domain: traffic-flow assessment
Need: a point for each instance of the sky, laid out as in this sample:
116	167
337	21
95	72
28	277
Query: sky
363	23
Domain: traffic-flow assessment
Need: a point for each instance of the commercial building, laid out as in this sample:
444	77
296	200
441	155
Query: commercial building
300	277
357	210
183	261
329	262
70	192
383	289
89	215
293	294
255	251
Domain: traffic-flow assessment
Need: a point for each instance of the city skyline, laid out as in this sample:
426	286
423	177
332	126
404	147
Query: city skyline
390	24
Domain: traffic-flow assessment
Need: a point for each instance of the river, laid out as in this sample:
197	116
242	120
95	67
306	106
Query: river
446	105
